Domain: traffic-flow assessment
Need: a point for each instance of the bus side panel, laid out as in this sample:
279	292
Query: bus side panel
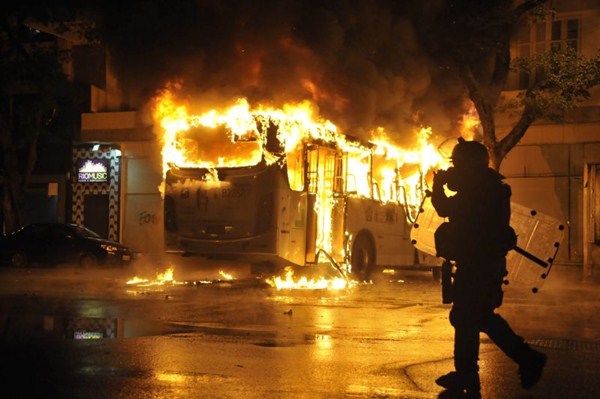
387	225
291	225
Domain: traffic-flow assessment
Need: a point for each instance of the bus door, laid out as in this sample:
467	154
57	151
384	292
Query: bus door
338	212
320	182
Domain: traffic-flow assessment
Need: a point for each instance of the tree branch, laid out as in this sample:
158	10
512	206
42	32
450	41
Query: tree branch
484	108
526	6
516	133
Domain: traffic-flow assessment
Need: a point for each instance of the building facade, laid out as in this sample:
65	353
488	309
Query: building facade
139	199
553	168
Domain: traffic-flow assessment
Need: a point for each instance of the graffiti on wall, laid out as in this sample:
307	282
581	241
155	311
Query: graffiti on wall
146	217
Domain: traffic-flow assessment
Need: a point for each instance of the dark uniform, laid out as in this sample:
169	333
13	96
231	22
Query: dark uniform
477	238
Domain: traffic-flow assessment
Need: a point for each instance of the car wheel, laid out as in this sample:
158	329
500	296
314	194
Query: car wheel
19	259
88	260
363	257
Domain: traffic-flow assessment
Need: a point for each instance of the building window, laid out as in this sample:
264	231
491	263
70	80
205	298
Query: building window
539	37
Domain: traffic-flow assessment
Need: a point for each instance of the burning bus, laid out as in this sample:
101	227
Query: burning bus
282	186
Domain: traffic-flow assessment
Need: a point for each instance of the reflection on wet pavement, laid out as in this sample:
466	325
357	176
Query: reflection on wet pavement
48	327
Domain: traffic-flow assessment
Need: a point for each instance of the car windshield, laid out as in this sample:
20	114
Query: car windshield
85	232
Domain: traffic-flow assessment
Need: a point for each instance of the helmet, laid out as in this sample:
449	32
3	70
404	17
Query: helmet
470	153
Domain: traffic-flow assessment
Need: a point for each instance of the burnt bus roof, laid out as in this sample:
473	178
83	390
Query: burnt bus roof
181	170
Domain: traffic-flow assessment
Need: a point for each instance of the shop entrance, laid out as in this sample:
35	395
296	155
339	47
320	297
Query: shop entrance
95	213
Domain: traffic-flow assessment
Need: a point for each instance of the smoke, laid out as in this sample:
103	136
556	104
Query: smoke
362	62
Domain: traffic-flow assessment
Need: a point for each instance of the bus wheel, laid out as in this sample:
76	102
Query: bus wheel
363	257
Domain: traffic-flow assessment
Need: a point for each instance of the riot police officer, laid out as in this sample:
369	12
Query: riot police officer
476	239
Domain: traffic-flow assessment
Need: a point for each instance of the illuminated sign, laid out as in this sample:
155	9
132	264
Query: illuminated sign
92	170
88	335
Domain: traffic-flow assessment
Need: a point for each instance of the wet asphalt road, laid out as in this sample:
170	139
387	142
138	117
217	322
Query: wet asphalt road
207	337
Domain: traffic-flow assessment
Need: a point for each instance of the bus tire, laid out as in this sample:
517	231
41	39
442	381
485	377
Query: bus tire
363	257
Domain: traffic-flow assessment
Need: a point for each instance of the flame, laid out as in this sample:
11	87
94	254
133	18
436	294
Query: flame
226	276
161	279
289	281
137	280
182	132
236	136
470	123
418	161
166	277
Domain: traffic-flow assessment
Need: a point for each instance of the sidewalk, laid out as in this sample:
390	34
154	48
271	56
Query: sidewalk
573	374
573	368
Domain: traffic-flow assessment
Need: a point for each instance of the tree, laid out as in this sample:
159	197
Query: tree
33	86
474	38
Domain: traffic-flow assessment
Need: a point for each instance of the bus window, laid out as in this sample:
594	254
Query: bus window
321	168
384	178
313	170
295	168
202	147
339	183
329	169
358	180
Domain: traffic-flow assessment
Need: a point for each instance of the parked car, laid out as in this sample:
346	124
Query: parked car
55	243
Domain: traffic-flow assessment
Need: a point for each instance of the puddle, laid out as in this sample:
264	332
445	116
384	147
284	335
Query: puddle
56	328
52	327
49	327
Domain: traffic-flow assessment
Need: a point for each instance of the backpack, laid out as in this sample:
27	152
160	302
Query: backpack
451	245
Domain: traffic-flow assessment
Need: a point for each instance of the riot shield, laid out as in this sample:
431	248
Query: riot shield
538	239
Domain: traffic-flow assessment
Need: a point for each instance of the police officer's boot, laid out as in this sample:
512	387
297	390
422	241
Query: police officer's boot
467	385
531	365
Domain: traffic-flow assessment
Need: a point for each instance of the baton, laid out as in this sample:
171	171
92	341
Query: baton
530	256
